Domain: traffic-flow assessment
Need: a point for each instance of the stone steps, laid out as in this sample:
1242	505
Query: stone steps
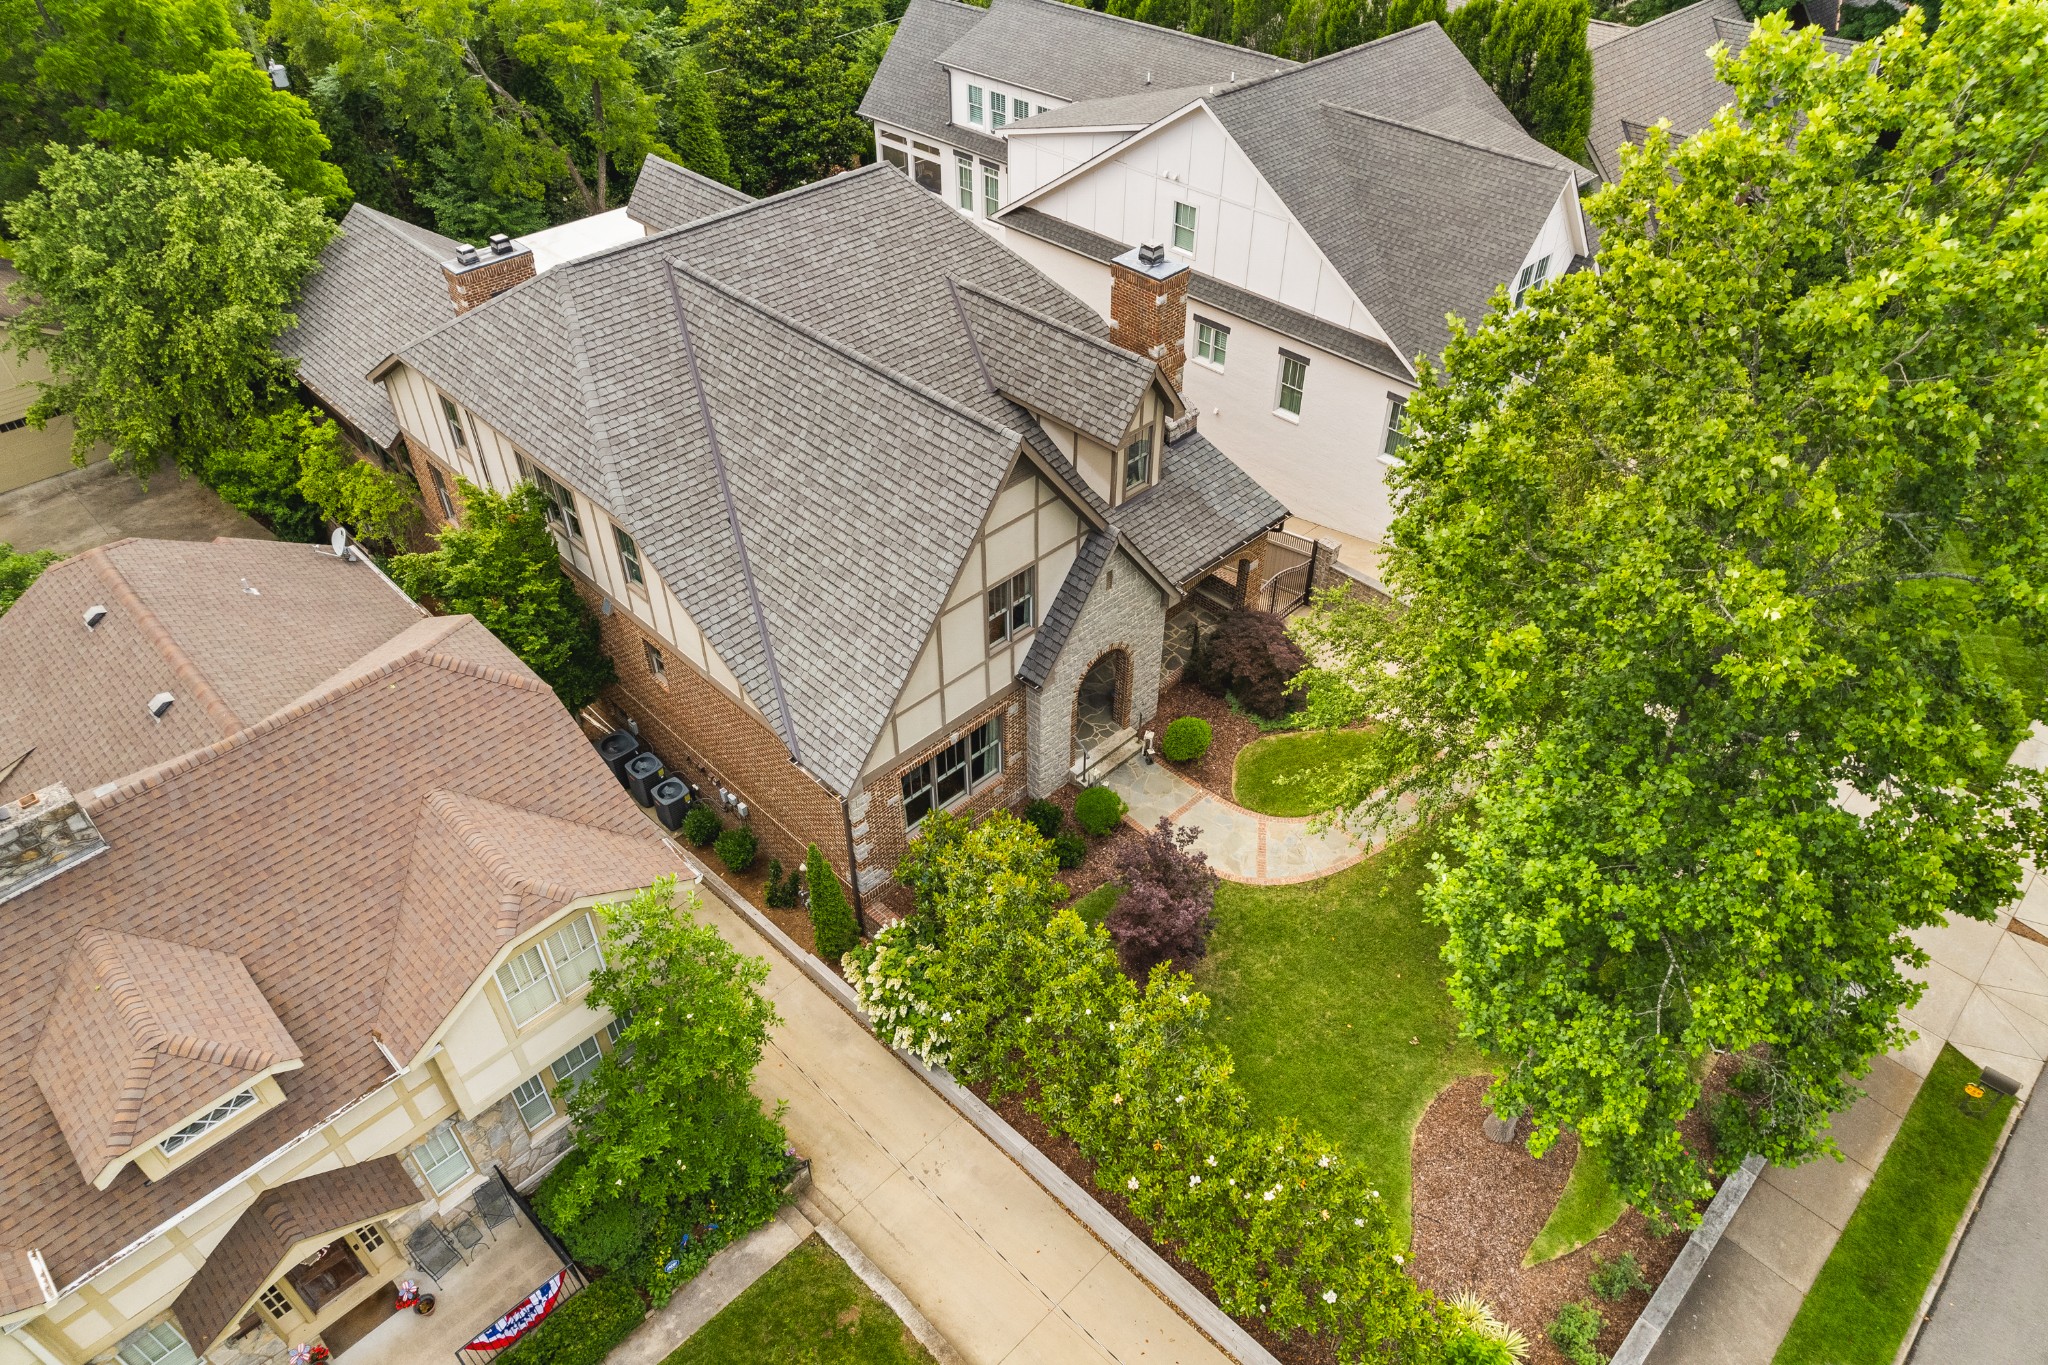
1090	767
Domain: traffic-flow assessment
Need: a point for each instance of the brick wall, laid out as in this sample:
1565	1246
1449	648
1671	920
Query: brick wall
1150	316
424	468
469	286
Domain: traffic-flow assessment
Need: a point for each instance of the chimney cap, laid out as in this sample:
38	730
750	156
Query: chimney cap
501	245
465	254
1151	261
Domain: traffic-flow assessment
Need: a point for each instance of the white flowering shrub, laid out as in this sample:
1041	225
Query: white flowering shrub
889	976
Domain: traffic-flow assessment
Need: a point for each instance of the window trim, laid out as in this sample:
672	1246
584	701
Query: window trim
577	1071
973	103
1300	387
998	109
1534	276
991	189
963	179
534	1125
543	951
1138	485
964	751
656	661
560	500
1395	440
1217	338
629	558
453	416
427	1173
1188	227
1019	591
215	1117
441	492
169	1355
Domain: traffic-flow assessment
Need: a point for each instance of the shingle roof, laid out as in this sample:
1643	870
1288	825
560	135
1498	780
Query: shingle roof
23	1282
1203	507
251	1255
911	90
1083	380
855	426
145	1033
199	620
1368	351
380	278
1135	110
1077	53
290	845
1407	171
1051	637
1662	71
667	195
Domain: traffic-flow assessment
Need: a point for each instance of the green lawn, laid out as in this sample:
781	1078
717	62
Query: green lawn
1297	774
1587	1208
809	1310
1863	1302
1319	989
1096	905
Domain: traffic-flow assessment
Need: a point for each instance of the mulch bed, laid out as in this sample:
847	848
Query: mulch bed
753	884
1479	1204
1217	769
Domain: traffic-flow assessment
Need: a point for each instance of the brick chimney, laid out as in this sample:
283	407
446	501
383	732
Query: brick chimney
1148	307
475	276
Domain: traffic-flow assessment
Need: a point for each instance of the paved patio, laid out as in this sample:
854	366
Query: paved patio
81	508
468	1299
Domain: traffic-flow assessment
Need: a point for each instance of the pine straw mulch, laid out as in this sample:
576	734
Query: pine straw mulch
1215	770
1479	1204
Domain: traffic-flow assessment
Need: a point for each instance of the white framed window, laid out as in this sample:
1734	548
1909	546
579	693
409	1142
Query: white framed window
991	188
1011	608
1184	227
578	1062
1293	379
612	1031
953	772
985	753
162	1344
207	1122
1137	465
530	1098
1396	439
573	953
441	492
274	1302
526	985
1533	275
963	172
998	108
1212	341
974	104
454	418
629	555
442	1160
657	666
561	502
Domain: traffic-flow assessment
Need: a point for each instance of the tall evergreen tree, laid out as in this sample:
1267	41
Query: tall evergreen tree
787	86
691	124
1534	55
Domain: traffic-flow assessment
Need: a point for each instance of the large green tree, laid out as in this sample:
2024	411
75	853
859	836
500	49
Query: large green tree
155	290
1534	55
1692	554
501	565
18	569
787	78
160	76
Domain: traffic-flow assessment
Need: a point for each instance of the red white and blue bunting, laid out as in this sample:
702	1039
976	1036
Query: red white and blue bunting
523	1318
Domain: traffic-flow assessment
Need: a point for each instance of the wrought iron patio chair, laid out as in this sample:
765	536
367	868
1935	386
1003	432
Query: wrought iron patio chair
431	1252
468	1235
494	1205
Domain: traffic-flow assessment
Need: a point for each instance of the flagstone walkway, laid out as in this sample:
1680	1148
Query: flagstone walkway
1243	845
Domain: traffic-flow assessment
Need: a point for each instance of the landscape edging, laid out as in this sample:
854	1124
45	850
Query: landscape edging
1132	1250
1678	1281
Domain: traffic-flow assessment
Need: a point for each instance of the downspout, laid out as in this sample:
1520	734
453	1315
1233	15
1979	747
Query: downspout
860	914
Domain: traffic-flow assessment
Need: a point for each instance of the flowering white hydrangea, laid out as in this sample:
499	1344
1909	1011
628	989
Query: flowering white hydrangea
888	979
1329	1296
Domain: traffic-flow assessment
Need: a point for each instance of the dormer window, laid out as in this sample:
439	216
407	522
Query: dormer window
974	104
1532	277
1137	465
207	1122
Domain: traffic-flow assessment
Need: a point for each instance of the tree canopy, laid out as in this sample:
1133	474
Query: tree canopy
1534	55
788	80
1697	556
20	568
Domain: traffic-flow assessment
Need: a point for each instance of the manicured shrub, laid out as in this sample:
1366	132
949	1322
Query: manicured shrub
701	825
1098	810
611	1233
1069	849
888	976
1617	1278
782	892
1185	740
1169	902
736	849
1574	1331
585	1329
1045	816
1249	656
833	927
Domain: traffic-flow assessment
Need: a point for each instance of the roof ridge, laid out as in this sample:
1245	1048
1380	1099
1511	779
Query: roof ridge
389	225
581	374
1670	14
1098	342
453	809
1234	87
159	637
1442	136
1158	29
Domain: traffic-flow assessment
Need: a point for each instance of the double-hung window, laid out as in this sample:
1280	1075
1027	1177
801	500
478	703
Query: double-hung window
207	1122
1397	440
893	152
985	753
578	1062
1011	609
441	492
561	502
1137	465
1533	275
1293	377
530	1096
162	1344
963	175
953	772
998	108
1211	341
1184	227
441	1159
629	555
550	969
974	104
454	419
991	188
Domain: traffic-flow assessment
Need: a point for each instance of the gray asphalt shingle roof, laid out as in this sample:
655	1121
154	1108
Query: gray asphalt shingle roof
1203	507
1081	54
379	281
667	195
1138	110
1079	378
911	90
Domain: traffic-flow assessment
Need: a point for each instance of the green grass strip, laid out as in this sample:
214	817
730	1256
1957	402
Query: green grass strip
811	1309
1096	905
1299	774
1587	1208
1864	1300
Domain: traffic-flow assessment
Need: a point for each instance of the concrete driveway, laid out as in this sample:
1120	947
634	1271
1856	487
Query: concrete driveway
82	508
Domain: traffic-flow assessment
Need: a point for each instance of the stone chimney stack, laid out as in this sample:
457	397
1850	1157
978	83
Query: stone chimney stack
1148	307
475	276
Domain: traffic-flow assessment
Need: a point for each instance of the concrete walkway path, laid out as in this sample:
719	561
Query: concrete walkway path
1993	1304
1243	845
1002	1271
81	508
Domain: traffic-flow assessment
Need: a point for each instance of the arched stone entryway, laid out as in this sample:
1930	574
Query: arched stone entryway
1102	701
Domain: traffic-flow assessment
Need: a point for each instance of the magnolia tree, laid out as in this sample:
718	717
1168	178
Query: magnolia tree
1698	558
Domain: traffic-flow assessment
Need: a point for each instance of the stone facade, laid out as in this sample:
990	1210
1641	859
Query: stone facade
1125	611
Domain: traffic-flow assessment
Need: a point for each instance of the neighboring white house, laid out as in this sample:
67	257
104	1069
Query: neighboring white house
1332	213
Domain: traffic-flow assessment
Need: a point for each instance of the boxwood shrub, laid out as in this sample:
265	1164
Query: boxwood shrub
1098	810
1044	816
701	825
736	849
1070	849
1186	739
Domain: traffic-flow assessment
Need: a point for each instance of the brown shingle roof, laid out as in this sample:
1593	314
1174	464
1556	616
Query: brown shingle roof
302	846
22	1282
251	1255
143	1035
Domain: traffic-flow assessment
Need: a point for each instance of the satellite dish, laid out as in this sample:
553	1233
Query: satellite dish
339	540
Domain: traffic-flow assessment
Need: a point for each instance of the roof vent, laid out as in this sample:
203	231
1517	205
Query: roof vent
94	614
501	245
159	704
1152	253
465	254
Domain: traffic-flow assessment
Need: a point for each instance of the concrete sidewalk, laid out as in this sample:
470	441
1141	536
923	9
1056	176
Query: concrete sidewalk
1000	1269
1993	1304
82	508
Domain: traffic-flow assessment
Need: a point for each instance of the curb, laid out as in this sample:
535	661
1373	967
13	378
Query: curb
1127	1246
1678	1281
882	1286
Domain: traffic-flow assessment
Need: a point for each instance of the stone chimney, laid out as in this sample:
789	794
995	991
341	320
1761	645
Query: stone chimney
476	276
41	834
1148	307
